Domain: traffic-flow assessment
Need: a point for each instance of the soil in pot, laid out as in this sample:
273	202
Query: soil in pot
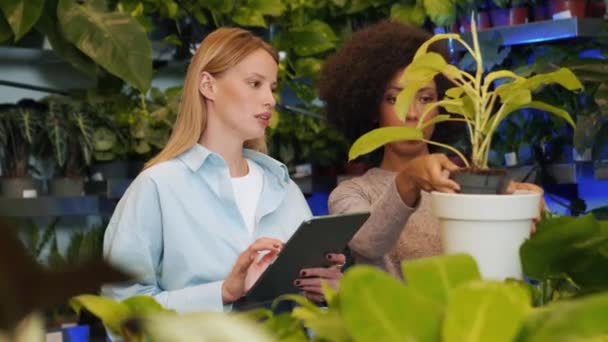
477	181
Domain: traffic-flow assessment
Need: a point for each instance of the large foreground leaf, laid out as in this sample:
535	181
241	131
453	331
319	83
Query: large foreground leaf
436	276
576	246
378	307
113	40
583	319
485	311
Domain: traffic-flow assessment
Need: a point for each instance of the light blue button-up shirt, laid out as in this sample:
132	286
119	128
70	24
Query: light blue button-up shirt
179	229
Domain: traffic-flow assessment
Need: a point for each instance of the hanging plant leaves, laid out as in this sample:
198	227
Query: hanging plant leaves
48	25
312	38
441	12
113	40
308	67
247	17
408	14
5	30
21	15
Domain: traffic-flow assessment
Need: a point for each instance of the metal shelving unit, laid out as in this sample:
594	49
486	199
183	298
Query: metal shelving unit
48	206
543	31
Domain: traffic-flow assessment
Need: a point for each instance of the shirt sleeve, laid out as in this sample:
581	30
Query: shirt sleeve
133	241
388	216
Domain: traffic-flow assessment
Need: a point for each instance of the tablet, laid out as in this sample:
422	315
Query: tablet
306	248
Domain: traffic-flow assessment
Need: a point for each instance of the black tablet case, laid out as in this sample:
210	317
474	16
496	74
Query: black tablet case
306	248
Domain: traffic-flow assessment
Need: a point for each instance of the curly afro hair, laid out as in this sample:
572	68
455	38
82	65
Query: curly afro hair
353	80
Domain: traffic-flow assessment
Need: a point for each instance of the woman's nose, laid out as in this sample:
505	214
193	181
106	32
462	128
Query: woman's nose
413	114
269	99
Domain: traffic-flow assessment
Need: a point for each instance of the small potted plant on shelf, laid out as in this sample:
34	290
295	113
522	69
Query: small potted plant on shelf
69	133
20	133
481	220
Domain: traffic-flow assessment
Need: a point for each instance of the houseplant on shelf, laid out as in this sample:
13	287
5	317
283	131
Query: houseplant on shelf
69	134
492	226
20	133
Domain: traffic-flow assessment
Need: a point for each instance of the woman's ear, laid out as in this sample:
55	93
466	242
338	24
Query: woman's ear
206	86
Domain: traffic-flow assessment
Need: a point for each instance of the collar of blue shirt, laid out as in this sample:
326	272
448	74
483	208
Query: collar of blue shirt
197	155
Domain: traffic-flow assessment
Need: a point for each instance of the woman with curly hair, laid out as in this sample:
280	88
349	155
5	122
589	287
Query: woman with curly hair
359	85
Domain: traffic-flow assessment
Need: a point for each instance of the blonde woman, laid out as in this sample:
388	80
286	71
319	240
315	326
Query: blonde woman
192	224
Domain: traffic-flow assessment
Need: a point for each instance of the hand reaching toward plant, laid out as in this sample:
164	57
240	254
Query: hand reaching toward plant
311	278
249	264
429	173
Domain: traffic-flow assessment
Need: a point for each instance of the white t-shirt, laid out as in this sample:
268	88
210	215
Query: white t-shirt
247	191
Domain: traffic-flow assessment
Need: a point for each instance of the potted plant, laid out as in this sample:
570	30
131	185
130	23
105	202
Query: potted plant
20	132
490	226
509	12
69	133
464	8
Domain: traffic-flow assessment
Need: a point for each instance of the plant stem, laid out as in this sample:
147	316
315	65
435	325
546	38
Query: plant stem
448	147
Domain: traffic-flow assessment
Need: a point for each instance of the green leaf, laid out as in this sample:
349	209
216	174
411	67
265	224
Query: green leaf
375	305
327	324
219	6
202	327
312	38
380	137
562	76
247	17
143	305
577	320
267	7
436	276
576	246
408	14
601	95
50	27
485	311
5	30
113	40
111	312
21	15
442	13
587	129
308	67
417	75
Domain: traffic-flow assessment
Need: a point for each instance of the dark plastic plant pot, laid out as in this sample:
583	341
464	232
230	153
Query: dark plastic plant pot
541	12
518	15
117	169
500	17
66	187
596	8
482	181
20	187
482	19
577	8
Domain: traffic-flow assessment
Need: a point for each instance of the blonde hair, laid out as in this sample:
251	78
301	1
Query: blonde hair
219	51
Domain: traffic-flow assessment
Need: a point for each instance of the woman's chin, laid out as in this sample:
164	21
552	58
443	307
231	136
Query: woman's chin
412	147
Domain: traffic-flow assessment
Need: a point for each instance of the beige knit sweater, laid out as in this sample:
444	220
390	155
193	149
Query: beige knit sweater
394	231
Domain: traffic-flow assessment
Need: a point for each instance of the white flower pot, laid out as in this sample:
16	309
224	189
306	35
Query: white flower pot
491	228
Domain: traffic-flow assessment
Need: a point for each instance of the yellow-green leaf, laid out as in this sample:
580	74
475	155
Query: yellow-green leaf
378	307
114	40
436	276
111	312
485	311
21	15
493	76
380	137
408	14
